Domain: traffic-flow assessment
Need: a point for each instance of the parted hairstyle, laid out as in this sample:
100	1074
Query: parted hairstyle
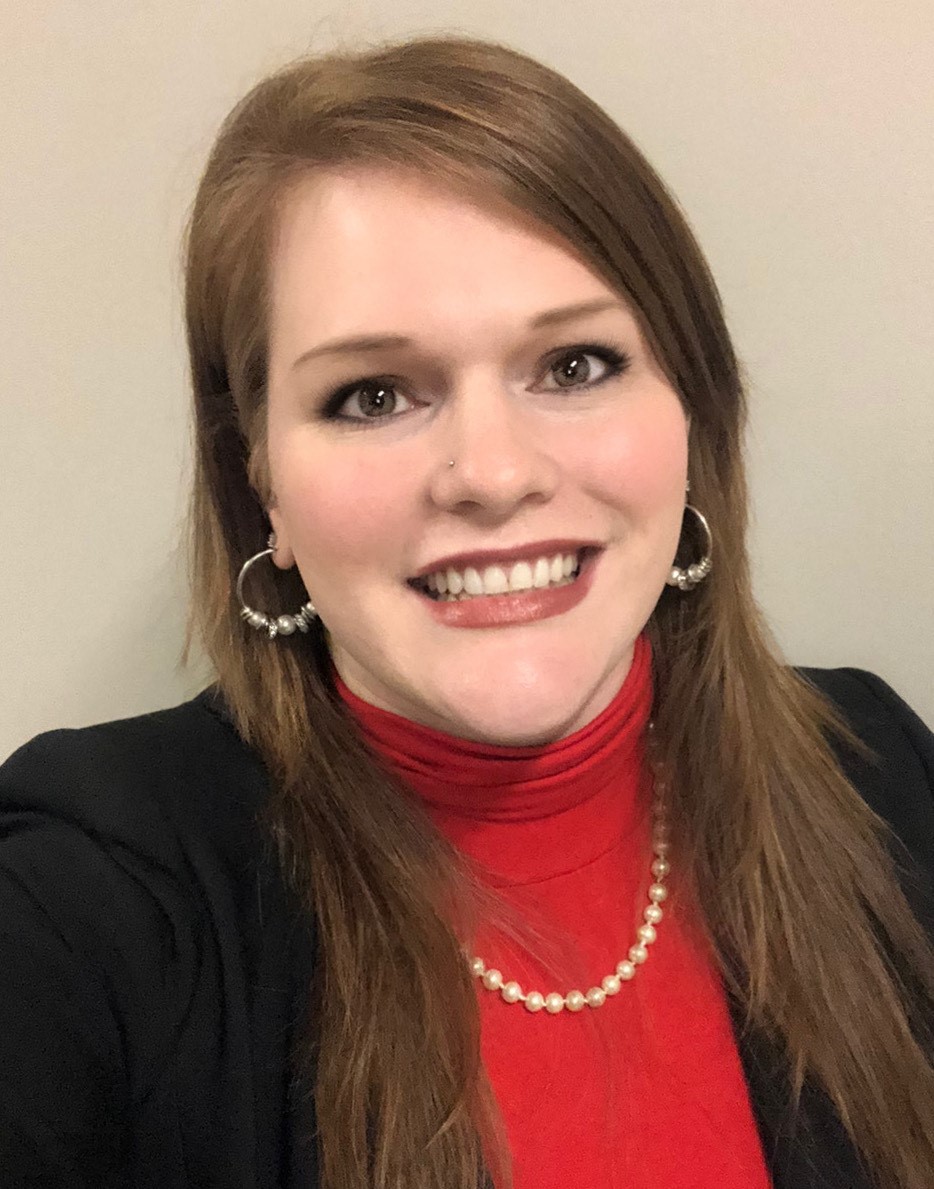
795	879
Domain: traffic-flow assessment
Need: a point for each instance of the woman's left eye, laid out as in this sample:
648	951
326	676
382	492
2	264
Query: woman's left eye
574	367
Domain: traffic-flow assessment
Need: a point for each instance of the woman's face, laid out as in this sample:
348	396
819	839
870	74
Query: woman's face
410	327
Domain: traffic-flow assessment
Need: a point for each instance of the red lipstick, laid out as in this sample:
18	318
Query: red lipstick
505	610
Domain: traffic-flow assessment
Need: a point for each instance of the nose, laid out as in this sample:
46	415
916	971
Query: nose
501	460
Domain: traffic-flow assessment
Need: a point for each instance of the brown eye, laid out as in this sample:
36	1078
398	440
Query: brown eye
366	400
586	366
573	369
375	399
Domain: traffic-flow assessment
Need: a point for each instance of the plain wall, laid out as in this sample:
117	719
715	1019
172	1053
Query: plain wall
797	137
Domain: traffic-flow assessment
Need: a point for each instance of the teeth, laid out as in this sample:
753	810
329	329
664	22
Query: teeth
473	583
494	580
522	575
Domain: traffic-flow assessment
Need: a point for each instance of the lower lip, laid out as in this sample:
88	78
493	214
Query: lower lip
495	611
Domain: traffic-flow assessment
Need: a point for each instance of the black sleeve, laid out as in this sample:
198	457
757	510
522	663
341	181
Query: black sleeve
86	969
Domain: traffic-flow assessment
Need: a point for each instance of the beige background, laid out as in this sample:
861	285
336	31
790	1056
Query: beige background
796	135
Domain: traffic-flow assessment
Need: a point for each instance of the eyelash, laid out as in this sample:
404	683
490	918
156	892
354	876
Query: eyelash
616	360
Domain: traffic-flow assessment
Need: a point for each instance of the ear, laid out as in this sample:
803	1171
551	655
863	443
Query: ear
283	557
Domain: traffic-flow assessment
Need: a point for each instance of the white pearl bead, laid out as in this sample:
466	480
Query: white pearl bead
257	619
576	1001
286	625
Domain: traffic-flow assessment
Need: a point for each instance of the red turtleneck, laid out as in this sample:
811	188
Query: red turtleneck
646	1090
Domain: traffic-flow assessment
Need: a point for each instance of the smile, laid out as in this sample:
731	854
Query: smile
542	573
500	607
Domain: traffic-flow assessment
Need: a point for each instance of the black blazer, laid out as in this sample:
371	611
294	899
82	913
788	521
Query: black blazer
153	966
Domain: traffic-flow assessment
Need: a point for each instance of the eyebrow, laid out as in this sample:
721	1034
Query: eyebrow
380	342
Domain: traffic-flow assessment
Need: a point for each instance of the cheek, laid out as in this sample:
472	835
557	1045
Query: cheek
339	513
641	463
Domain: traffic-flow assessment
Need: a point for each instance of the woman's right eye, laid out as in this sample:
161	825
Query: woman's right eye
370	400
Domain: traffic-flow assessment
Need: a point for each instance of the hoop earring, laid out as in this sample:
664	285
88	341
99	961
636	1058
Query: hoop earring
698	571
274	625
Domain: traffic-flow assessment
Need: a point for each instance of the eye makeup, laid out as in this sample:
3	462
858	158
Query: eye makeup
383	387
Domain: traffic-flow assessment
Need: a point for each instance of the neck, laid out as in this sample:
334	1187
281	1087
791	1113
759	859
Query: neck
499	803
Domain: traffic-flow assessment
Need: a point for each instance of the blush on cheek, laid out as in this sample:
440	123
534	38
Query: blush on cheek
644	463
341	515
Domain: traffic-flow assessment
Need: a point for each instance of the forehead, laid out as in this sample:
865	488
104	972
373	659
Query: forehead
364	245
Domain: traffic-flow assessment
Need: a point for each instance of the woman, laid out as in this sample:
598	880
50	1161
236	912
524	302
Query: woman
504	845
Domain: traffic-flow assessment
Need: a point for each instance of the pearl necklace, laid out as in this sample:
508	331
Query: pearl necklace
554	1002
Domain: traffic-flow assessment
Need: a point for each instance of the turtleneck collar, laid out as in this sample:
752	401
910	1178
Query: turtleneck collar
483	782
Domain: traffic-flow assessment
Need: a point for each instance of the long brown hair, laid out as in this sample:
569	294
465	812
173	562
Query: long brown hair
792	872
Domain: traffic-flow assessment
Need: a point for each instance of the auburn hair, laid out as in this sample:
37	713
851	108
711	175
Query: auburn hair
794	876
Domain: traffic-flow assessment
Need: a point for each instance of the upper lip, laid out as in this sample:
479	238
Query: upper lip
490	557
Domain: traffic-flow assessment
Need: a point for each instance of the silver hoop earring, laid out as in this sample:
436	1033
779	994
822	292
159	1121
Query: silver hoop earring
698	571
273	625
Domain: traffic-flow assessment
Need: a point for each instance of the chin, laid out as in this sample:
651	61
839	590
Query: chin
538	696
511	719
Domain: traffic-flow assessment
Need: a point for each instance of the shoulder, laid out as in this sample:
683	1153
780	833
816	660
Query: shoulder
121	848
130	857
132	844
897	781
143	780
873	707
